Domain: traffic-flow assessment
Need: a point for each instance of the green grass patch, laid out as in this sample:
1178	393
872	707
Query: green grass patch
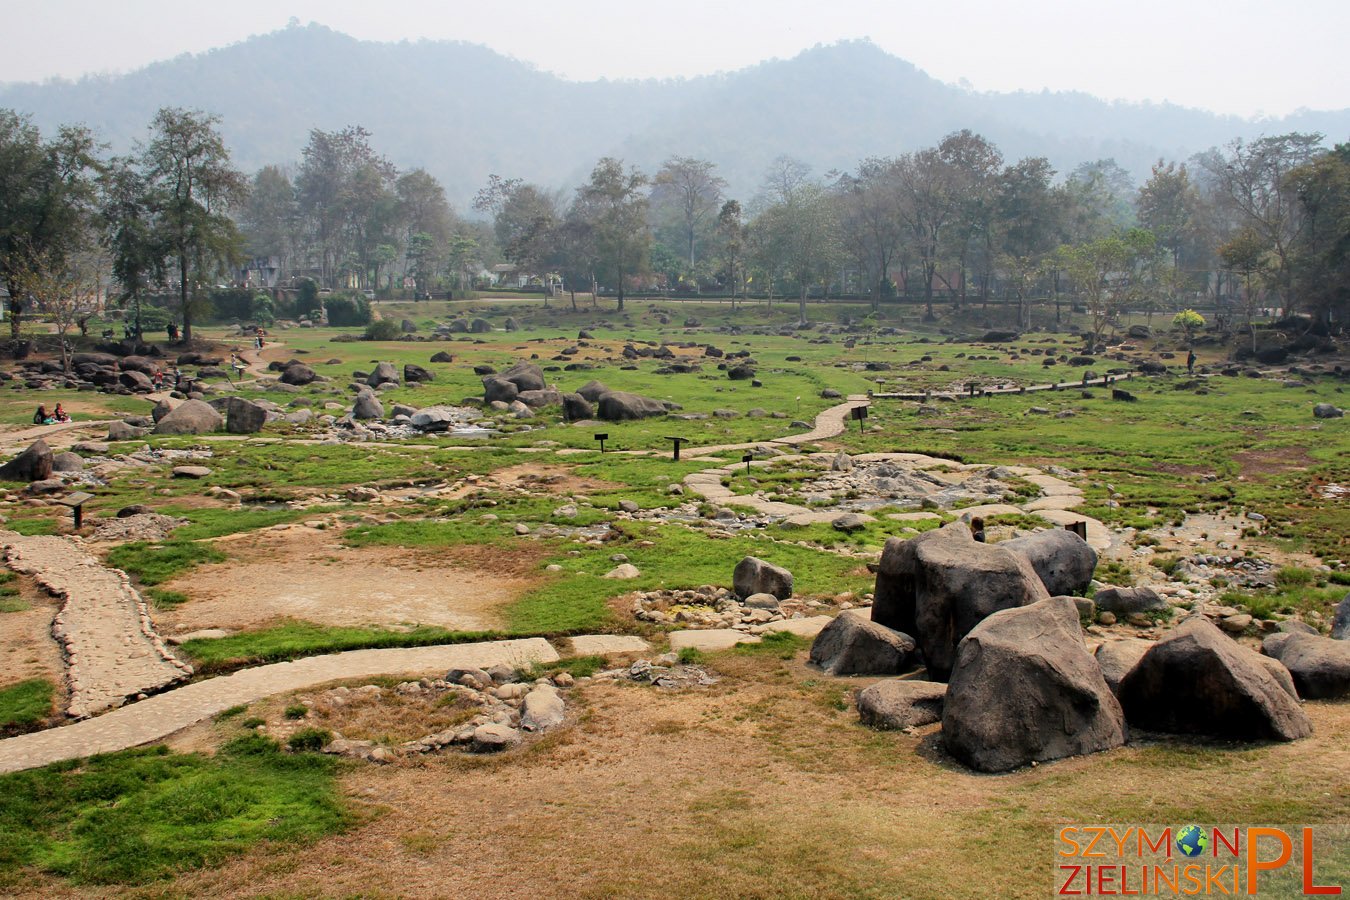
142	815
165	599
296	639
782	644
577	666
211	522
155	563
1287	600
25	705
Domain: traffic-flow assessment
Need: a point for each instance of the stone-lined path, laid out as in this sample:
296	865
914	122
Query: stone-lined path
111	650
161	715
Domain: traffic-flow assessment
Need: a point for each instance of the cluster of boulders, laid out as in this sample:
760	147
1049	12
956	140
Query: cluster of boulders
1002	625
510	711
129	371
522	389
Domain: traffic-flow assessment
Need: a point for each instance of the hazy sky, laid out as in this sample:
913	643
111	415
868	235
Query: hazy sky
1234	56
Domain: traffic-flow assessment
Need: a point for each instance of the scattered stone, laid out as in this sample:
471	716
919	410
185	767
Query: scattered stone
1319	665
755	576
762	601
901	704
1062	559
541	709
1125	601
851	522
1327	411
854	645
1024	689
1197	680
494	738
65	461
33	464
623	572
244	416
191	471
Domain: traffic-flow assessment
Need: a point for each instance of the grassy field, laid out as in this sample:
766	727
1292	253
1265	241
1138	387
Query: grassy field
761	786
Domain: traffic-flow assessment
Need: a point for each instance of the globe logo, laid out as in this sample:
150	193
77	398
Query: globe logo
1192	841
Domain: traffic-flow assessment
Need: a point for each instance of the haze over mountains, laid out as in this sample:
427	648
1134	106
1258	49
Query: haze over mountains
463	111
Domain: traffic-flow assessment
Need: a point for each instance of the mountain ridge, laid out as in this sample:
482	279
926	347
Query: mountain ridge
463	111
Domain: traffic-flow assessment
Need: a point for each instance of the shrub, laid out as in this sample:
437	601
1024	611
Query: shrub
383	330
231	303
297	711
262	311
307	302
347	310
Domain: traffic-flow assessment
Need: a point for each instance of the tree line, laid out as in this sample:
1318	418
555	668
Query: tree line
1256	224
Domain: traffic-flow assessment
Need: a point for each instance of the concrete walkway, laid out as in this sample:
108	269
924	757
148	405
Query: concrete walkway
159	716
112	652
829	423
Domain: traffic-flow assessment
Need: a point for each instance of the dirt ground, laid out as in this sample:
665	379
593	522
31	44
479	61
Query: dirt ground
764	785
303	573
27	648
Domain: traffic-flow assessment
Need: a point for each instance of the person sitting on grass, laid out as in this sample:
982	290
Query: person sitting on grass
41	418
60	415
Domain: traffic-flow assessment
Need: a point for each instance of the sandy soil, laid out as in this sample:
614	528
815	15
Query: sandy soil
303	573
761	786
27	649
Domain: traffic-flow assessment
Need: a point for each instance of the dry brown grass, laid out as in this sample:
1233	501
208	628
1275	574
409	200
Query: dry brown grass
763	786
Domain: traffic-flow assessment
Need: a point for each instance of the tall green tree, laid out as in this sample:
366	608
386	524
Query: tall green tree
135	245
345	194
193	187
270	218
614	202
689	191
47	196
1322	254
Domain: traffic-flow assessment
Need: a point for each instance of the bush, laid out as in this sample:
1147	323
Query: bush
383	330
347	310
307	303
262	311
233	303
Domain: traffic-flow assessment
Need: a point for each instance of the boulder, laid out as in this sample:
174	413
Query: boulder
741	372
407	326
541	709
1340	622
384	373
621	406
65	461
33	464
941	584
1140	332
526	376
896	704
540	399
439	356
244	416
494	738
121	431
367	406
1197	680
498	389
1327	411
1062	559
415	374
163	407
434	418
755	576
190	417
298	374
1124	601
852	644
1117	658
1319	665
577	408
842	462
511	324
850	522
480	326
1025	689
593	390
136	381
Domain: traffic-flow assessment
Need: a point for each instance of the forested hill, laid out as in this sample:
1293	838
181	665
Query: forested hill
463	111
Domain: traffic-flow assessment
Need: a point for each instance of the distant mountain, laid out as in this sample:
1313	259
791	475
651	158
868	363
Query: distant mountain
463	111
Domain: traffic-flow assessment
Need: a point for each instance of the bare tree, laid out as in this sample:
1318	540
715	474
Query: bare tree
694	191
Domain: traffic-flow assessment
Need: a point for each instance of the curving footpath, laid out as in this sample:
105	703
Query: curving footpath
161	715
112	652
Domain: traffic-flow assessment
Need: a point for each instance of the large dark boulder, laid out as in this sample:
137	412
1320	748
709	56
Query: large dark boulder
540	399
367	406
1124	601
384	373
1025	689
440	356
190	417
1000	337
164	406
1197	680
577	408
93	359
1062	559
244	416
480	326
415	374
125	431
525	376
593	390
897	703
755	576
298	374
852	644
1117	658
142	364
621	406
136	381
33	464
497	388
941	584
1319	665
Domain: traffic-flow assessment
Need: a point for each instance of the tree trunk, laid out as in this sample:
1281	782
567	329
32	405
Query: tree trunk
183	298
801	306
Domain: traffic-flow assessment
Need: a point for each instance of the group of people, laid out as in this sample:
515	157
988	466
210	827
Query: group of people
42	417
